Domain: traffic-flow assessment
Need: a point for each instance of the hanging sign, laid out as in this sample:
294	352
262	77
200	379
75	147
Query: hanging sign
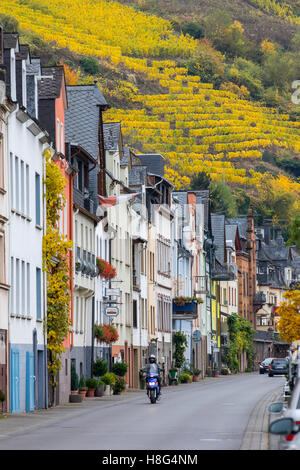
197	336
111	311
112	292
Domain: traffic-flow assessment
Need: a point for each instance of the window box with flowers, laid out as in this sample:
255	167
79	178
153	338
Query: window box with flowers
106	333
106	269
186	306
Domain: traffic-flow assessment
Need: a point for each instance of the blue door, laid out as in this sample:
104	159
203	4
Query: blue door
14	381
30	378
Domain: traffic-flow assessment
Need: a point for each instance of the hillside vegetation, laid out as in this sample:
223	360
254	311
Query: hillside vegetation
195	89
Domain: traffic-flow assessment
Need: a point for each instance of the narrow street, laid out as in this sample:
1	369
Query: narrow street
210	415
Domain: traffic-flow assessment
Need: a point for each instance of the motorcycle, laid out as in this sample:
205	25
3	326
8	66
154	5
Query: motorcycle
152	387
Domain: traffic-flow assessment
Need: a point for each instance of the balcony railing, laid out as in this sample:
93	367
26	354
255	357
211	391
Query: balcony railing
259	298
202	285
188	311
226	272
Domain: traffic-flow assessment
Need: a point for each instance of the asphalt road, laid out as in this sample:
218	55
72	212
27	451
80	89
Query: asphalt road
211	415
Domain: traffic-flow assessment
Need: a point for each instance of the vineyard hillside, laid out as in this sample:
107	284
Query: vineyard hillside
162	106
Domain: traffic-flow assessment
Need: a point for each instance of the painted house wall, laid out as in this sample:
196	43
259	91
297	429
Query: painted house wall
4	246
26	232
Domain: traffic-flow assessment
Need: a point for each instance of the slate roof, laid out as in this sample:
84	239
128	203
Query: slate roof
218	232
137	175
111	133
82	116
242	224
34	68
50	88
10	40
230	232
126	156
155	163
24	52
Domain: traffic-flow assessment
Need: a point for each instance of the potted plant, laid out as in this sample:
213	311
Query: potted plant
74	381
184	378
82	386
215	371
120	368
105	269
109	379
106	333
99	392
100	367
91	385
2	399
119	385
196	373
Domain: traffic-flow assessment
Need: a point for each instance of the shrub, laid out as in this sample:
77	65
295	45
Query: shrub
184	378
193	29
90	65
100	367
109	378
82	383
74	379
91	383
119	385
120	368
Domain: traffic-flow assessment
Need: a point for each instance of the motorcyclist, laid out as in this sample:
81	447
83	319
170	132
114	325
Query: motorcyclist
153	368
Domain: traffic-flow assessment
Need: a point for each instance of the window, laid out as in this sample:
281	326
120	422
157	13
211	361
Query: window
12	289
2	256
11	180
38	293
17	183
23	307
57	136
62	138
17	286
22	188
134	314
28	289
37	199
27	192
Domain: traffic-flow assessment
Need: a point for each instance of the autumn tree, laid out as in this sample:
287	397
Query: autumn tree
289	313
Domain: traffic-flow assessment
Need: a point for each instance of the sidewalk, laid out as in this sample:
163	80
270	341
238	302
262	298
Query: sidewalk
257	436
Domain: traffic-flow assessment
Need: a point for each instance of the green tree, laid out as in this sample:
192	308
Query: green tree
90	65
222	199
200	181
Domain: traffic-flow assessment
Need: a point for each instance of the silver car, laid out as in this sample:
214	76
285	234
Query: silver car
288	425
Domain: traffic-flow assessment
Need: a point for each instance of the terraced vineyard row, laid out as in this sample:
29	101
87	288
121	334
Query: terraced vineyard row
194	126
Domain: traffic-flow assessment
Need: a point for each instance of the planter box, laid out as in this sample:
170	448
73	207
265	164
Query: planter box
75	398
99	392
186	311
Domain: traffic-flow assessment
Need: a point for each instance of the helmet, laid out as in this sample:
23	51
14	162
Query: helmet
152	359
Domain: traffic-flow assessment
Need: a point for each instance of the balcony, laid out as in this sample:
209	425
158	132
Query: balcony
259	298
226	272
188	311
201	285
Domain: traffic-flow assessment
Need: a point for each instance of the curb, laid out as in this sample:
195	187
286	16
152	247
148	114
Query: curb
256	436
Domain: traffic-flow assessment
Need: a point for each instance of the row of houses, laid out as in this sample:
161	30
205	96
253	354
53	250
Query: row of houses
174	265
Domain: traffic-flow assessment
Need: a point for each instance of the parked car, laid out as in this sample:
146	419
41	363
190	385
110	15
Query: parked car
278	366
264	365
289	436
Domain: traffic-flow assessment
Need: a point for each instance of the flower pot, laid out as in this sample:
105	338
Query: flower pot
74	392
107	391
83	393
195	378
91	392
99	392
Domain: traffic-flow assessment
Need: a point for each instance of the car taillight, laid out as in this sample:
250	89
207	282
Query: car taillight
289	437
270	367
297	422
